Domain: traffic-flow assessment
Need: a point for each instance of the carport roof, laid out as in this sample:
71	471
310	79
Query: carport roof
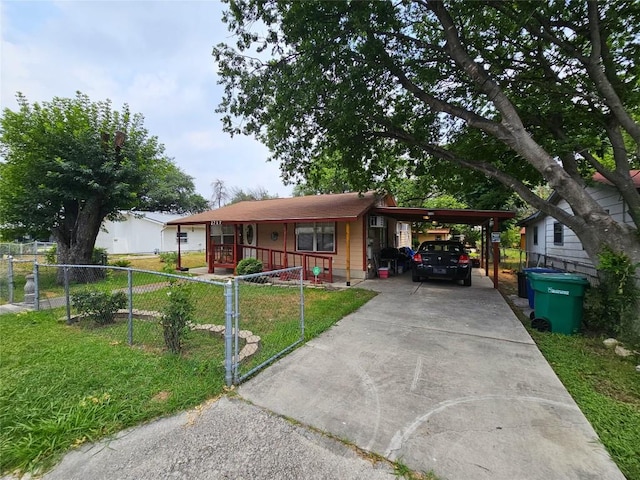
444	215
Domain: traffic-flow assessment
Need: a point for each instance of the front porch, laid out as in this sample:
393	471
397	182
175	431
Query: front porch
227	256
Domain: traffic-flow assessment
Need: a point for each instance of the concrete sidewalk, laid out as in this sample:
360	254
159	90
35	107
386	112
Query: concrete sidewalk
442	377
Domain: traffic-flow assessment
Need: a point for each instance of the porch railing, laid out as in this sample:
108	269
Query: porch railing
276	259
224	256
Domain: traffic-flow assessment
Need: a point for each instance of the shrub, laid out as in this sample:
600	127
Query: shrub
101	306
99	256
51	255
177	315
170	260
612	306
169	257
247	266
121	262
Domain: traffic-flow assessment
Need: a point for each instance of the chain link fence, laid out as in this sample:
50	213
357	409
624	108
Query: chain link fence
268	319
31	249
13	277
241	324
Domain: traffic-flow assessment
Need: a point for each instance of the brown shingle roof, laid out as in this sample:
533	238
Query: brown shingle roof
335	207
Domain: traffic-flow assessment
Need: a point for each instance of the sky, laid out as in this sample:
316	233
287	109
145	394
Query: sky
154	56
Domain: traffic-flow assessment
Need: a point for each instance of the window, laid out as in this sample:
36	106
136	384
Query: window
535	235
223	234
182	237
558	234
315	237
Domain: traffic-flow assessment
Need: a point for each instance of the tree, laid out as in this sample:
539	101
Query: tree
220	194
257	193
169	189
68	165
522	93
325	175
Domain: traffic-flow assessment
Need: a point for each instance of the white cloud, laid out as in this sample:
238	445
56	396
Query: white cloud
154	56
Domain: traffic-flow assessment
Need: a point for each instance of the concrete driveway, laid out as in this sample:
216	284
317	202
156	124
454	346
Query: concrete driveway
443	378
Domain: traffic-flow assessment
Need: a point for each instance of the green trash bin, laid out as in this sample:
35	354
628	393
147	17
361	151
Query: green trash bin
558	301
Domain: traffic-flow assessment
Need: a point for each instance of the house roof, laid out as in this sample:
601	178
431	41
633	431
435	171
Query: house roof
158	217
333	207
634	174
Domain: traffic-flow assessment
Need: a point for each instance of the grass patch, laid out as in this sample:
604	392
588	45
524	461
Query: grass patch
61	386
152	262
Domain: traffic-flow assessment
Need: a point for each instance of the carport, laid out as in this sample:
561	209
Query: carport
489	220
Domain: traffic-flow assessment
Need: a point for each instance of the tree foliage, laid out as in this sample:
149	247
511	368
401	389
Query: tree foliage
485	97
70	163
257	193
169	189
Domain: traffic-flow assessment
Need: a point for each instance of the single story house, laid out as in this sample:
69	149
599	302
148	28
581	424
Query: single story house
433	234
550	243
339	234
148	232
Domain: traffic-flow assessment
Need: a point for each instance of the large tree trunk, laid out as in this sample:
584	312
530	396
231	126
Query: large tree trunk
76	239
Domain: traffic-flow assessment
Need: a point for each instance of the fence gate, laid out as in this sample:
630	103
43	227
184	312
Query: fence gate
268	319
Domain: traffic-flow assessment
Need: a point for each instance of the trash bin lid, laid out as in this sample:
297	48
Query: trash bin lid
559	278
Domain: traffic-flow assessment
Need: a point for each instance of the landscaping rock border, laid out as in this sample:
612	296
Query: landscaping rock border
251	341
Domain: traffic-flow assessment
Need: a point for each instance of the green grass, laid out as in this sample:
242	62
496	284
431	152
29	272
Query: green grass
61	386
605	386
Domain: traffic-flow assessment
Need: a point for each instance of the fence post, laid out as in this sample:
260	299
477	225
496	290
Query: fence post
301	307
130	295
36	281
66	293
228	334
10	278
236	313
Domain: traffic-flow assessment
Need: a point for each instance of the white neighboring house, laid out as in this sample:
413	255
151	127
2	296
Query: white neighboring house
550	243
148	232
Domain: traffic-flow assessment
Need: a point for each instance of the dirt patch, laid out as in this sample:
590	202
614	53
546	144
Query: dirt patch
161	396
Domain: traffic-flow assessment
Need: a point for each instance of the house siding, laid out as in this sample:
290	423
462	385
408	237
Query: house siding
571	250
137	234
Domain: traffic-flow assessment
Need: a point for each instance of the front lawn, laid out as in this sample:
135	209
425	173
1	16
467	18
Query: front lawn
61	386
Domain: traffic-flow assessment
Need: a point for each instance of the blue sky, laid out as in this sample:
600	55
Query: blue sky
153	55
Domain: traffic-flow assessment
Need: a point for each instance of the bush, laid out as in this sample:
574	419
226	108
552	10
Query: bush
177	315
99	256
247	266
612	306
121	262
51	256
99	305
169	257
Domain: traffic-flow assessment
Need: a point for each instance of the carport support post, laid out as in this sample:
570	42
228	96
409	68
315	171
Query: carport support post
348	253
496	253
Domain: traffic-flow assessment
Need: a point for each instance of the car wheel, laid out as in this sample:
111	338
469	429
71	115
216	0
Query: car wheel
415	278
541	324
467	281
